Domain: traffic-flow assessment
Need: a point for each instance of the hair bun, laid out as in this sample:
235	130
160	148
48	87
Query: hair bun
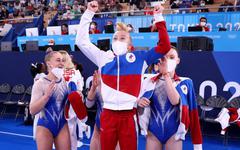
121	27
49	50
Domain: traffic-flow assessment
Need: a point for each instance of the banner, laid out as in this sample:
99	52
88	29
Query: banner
181	22
223	41
175	22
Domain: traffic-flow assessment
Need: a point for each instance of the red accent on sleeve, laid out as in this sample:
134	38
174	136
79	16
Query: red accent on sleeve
195	129
164	43
185	117
233	114
78	106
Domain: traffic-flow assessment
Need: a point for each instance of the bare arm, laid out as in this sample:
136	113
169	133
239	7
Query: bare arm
91	97
93	90
38	105
39	101
171	90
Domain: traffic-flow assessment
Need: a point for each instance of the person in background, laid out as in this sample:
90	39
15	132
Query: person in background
184	6
64	28
38	70
237	5
76	10
75	84
109	22
175	6
202	5
227	6
130	28
52	5
93	28
93	97
51	42
203	24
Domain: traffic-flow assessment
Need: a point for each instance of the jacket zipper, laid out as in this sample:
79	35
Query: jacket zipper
118	72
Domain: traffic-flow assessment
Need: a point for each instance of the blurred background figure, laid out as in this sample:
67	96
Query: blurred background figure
130	28
94	28
64	28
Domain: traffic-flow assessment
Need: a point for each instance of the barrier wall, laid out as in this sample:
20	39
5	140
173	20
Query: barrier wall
180	22
212	72
175	22
223	41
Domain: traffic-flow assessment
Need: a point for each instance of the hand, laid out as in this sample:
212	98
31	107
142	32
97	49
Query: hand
93	6
96	79
49	90
92	31
143	102
163	65
158	9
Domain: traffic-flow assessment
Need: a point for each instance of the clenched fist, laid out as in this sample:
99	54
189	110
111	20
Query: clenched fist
158	9
93	6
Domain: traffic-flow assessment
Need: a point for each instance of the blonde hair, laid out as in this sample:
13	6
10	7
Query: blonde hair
121	27
49	54
68	60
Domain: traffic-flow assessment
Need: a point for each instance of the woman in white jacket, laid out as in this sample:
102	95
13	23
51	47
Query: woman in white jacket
121	73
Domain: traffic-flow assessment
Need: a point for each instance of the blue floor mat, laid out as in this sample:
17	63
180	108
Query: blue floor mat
15	135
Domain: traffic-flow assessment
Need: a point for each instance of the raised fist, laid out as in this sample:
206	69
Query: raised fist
93	6
158	9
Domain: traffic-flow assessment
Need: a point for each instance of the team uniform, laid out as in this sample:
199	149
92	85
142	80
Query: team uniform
121	79
74	81
37	77
52	115
163	119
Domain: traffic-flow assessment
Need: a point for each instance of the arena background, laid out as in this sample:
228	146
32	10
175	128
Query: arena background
214	73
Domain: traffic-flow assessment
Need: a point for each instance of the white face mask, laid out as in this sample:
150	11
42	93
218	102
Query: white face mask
202	4
58	72
171	65
119	48
202	23
92	26
130	29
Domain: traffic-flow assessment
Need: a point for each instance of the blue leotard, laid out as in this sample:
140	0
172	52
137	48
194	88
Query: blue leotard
164	120
52	115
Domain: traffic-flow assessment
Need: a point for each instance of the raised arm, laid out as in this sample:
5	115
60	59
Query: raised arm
82	39
164	43
91	97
